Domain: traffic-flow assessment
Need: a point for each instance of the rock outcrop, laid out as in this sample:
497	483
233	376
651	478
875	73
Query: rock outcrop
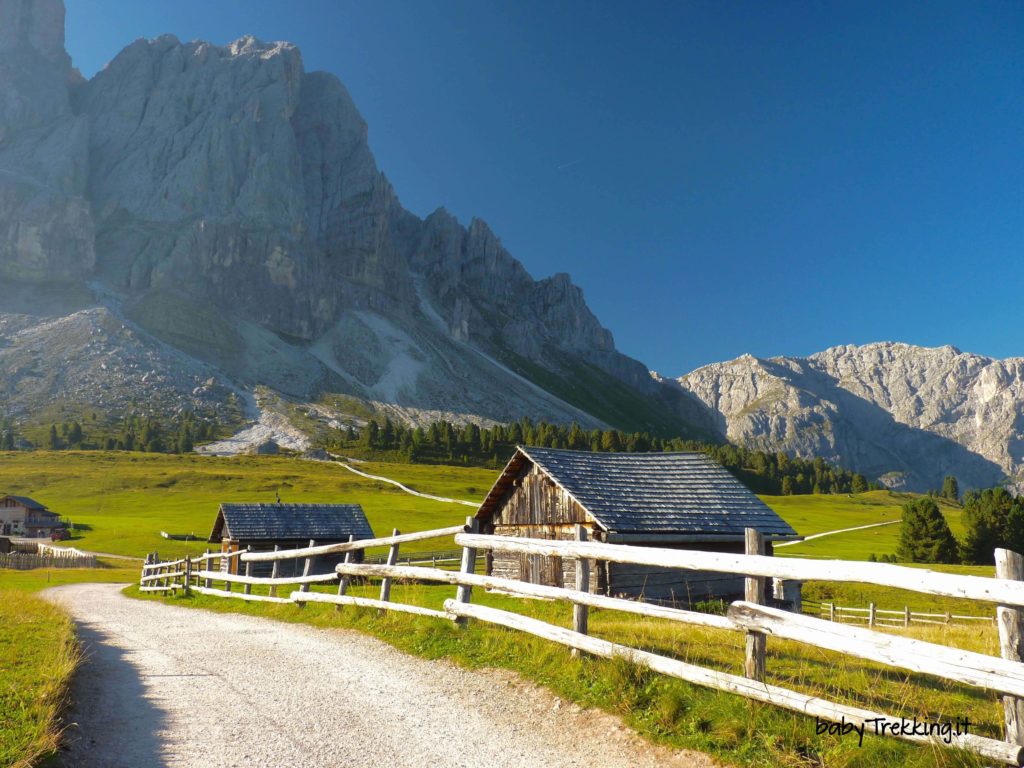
226	201
906	414
46	230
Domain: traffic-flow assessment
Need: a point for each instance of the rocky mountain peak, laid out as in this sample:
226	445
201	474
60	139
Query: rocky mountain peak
906	413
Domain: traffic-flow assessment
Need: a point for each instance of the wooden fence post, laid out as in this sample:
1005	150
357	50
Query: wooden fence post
308	568
385	584
188	575
906	616
1010	565
208	566
465	592
872	614
275	569
225	568
248	572
343	582
580	613
754	592
831	611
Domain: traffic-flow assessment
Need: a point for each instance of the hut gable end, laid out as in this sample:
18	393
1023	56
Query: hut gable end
534	498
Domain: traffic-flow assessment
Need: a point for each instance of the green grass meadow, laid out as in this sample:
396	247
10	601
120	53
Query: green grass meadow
121	502
816	514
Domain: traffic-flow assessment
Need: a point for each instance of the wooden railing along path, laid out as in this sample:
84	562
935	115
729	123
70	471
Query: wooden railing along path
751	616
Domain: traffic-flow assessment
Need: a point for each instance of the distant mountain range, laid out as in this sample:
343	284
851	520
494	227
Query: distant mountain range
204	228
905	414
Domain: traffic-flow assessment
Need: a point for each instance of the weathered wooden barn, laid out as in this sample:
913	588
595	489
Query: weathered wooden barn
673	500
288	526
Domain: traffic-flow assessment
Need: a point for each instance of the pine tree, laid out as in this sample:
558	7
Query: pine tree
950	488
924	534
53	442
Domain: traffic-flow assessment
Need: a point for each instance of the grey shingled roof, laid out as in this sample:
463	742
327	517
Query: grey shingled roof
283	522
26	502
664	493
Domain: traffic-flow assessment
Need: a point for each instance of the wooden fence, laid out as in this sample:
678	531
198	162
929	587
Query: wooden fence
24	561
751	616
873	616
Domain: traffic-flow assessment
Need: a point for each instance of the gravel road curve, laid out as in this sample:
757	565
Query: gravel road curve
168	686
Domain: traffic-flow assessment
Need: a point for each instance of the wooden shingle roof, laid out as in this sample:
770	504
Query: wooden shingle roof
291	522
648	493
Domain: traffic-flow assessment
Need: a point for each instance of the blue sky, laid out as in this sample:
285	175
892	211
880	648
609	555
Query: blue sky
720	178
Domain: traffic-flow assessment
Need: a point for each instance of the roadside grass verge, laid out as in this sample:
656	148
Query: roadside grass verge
667	710
38	655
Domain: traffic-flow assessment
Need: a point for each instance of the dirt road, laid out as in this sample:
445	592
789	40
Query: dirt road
167	686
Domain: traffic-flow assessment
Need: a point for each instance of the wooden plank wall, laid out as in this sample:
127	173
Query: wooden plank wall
539	509
673	585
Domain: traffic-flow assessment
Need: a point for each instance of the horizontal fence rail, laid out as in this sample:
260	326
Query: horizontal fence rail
921	580
752	616
350	546
885	617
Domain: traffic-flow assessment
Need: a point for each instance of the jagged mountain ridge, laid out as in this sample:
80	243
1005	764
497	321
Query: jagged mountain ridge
907	414
225	202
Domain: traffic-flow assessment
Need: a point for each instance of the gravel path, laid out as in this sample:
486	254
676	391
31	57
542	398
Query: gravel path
167	686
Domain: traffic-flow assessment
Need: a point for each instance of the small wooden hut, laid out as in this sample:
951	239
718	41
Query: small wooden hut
673	500
288	526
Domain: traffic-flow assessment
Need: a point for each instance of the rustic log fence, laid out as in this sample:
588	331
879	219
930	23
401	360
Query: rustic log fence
873	616
752	616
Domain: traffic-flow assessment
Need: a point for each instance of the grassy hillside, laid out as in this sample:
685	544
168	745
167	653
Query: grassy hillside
602	395
123	500
813	514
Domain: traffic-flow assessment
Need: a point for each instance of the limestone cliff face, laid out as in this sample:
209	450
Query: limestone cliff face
227	178
46	229
908	414
489	298
232	174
